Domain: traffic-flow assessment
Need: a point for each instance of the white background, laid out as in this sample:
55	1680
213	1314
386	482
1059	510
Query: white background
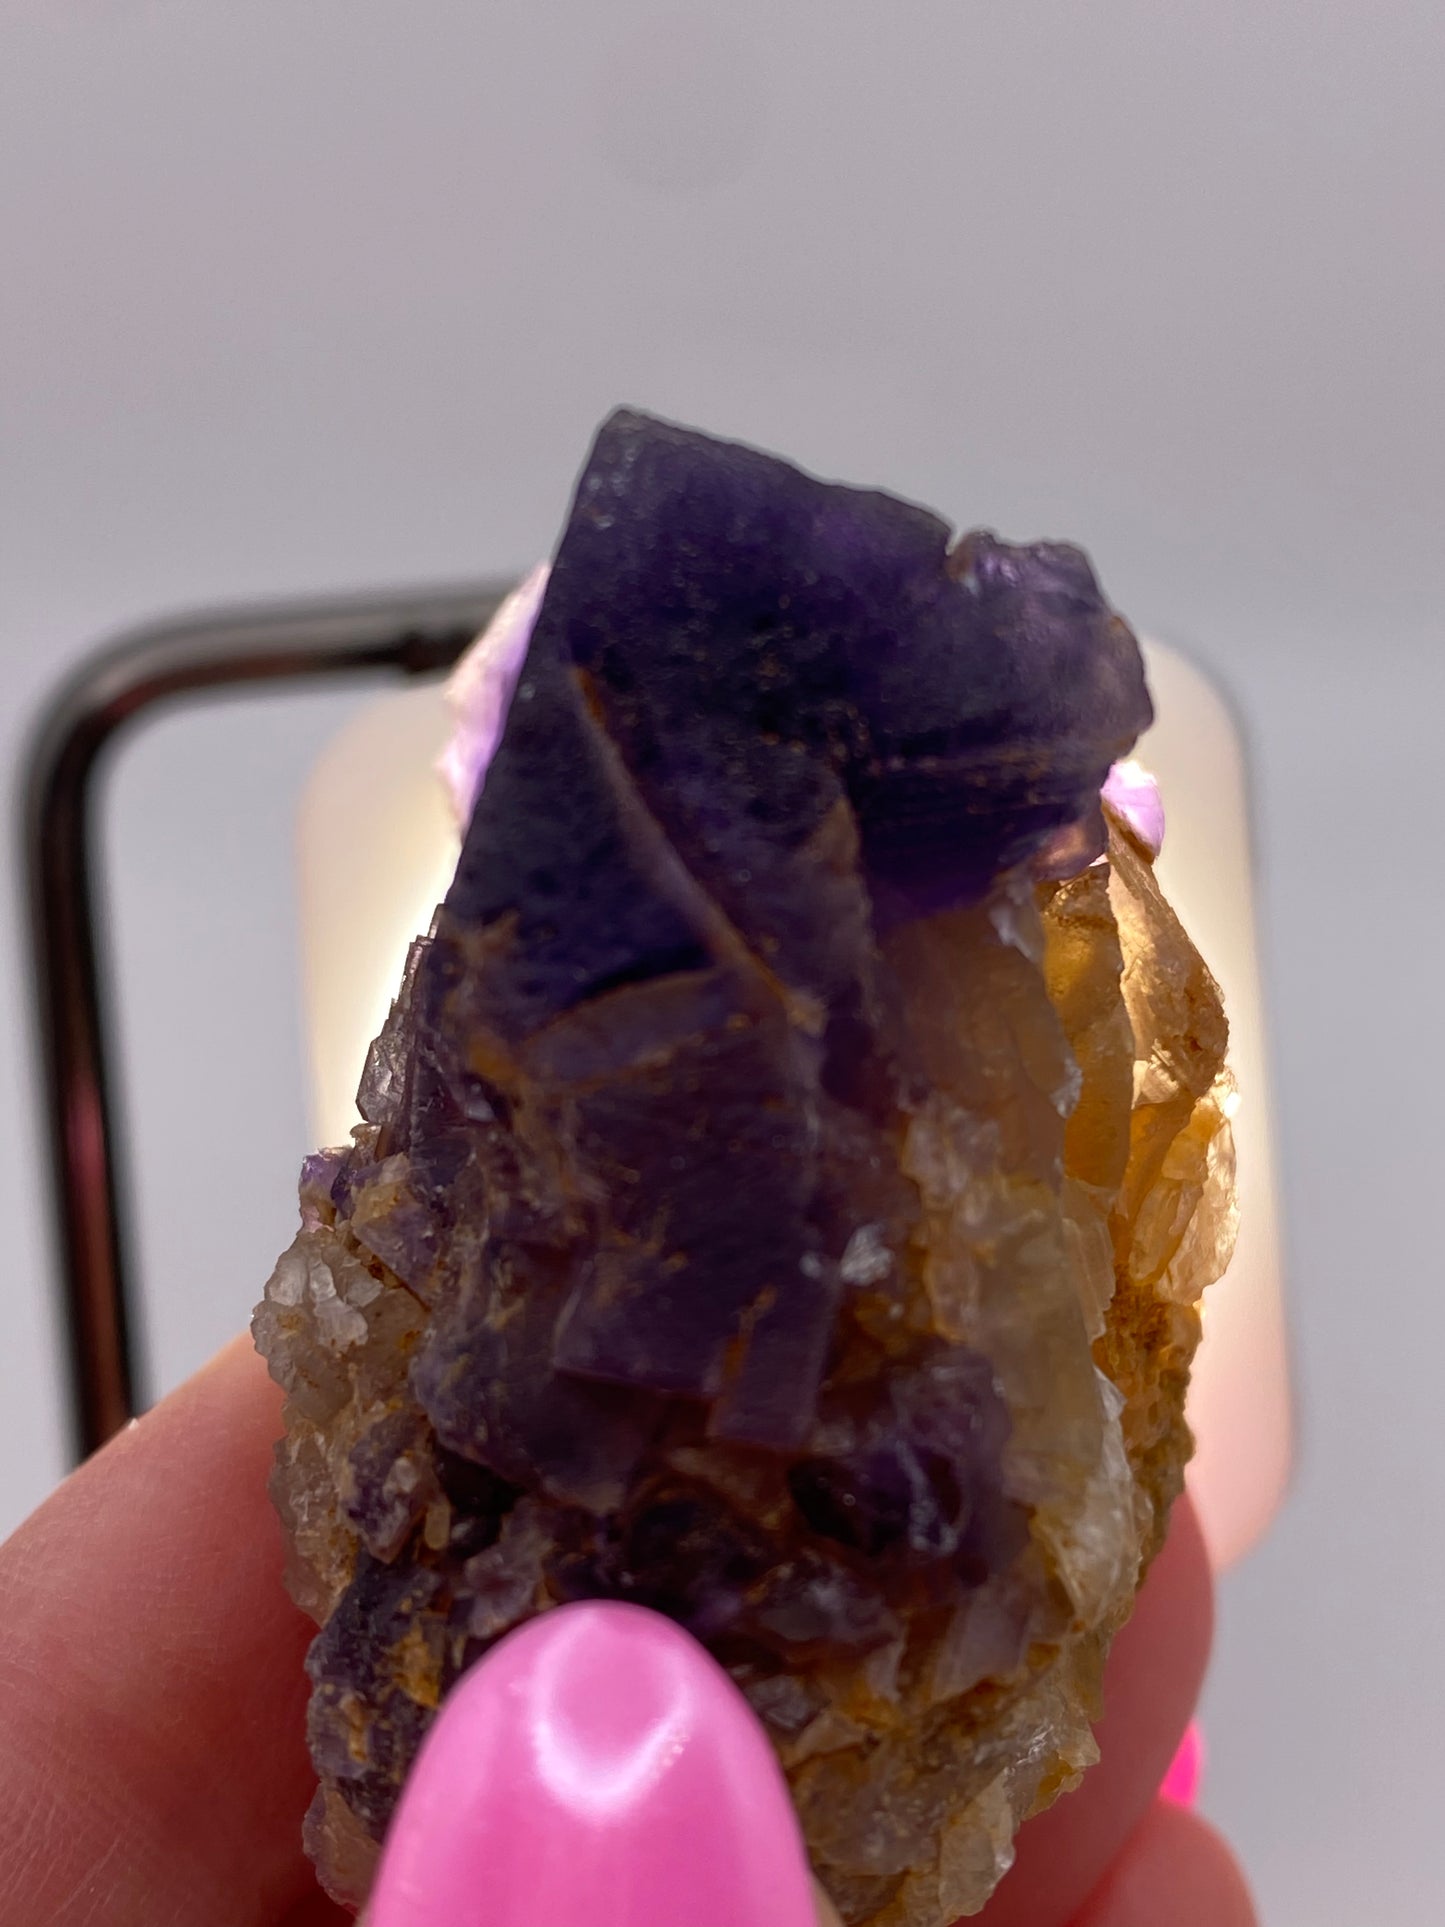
315	294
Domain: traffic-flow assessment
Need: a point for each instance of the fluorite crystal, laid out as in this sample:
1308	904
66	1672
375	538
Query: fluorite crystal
787	1175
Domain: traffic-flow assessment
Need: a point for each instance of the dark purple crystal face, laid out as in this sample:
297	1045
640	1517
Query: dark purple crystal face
762	721
636	1126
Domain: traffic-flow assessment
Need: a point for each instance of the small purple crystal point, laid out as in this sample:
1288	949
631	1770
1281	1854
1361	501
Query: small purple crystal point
716	1238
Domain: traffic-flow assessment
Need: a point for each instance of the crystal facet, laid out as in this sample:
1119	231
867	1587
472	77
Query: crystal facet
788	1175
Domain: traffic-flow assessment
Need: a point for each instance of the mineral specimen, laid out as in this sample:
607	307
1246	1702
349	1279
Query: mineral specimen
788	1173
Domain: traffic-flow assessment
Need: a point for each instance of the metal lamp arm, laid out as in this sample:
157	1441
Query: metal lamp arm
402	634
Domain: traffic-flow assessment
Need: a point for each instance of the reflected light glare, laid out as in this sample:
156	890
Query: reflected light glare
601	1774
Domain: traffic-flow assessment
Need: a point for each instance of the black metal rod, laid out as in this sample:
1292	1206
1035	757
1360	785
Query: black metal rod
402	634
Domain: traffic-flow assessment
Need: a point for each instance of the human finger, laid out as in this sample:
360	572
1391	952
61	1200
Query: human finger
190	1656
1151	1685
597	1764
1174	1868
152	1762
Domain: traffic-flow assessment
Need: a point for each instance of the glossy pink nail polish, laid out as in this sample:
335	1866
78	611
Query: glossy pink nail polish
1181	1783
598	1769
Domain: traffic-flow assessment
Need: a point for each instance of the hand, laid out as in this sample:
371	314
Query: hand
152	1765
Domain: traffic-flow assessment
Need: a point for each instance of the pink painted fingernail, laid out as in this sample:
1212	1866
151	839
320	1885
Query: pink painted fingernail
1181	1783
598	1769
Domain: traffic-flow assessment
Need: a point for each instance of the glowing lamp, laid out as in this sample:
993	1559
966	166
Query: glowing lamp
364	899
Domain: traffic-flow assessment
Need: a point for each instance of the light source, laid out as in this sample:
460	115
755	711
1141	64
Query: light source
364	898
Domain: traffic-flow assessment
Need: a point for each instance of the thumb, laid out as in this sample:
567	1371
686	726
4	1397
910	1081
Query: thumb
597	1766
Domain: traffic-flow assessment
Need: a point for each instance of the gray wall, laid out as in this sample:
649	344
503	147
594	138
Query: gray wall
330	293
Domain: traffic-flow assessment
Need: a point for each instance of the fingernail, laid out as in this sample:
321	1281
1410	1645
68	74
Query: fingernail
1186	1770
597	1769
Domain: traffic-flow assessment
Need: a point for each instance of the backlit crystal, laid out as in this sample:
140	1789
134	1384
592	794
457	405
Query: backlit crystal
788	1175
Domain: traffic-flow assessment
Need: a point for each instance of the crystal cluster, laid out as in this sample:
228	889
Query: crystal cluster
788	1174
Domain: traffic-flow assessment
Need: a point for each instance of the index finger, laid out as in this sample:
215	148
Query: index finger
152	1697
